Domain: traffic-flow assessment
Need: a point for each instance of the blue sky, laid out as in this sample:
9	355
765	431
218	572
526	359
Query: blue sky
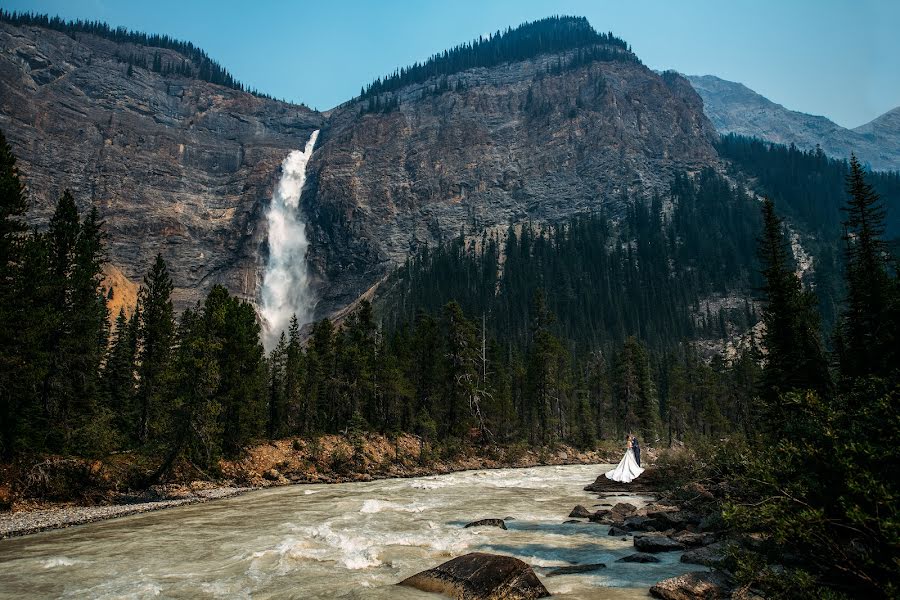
835	58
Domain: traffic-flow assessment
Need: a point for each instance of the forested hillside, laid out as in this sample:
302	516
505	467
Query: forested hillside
195	62
643	275
808	189
550	35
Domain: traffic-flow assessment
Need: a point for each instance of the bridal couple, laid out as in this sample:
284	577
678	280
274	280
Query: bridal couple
629	467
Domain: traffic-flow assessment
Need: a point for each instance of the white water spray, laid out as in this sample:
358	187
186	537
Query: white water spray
285	289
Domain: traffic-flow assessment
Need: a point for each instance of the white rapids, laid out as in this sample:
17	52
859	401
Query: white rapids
285	288
351	540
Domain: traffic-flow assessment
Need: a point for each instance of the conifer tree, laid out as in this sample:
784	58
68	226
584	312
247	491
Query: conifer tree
794	354
277	375
867	338
460	371
13	325
119	375
293	378
157	337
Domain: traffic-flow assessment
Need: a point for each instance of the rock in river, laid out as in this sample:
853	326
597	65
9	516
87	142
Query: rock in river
580	512
575	569
656	543
691	586
487	523
480	576
639	557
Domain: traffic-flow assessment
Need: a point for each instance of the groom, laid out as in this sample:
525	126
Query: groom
637	449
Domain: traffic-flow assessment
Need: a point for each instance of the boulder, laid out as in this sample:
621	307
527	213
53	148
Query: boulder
639	557
580	512
487	523
480	576
694	540
656	543
601	516
613	530
638	523
571	521
692	586
272	475
708	556
622	510
575	569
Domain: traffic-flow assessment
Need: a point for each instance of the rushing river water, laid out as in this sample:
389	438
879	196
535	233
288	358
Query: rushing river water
351	540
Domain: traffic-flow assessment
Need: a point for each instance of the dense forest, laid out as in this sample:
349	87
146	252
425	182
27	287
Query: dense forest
643	274
198	64
198	385
550	35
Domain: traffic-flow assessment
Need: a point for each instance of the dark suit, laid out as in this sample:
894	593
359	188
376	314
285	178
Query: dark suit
637	450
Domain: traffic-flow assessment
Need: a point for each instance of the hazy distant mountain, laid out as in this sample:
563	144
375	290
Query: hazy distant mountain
734	108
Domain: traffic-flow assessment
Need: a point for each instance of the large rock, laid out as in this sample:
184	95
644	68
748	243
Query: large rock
480	576
656	543
639	557
575	569
580	512
709	556
691	539
487	523
692	586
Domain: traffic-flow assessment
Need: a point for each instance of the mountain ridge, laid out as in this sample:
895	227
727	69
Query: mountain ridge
186	167
734	108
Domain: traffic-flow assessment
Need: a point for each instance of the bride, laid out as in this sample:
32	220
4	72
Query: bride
627	469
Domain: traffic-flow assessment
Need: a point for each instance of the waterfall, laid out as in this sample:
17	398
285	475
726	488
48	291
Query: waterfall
285	288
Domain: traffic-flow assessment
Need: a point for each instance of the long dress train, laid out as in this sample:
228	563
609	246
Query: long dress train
627	469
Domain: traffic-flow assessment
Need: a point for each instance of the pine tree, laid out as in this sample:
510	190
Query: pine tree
13	324
546	365
293	378
157	337
868	343
119	381
460	371
794	354
277	376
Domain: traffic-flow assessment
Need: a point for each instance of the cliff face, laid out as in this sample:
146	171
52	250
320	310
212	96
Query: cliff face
186	168
175	165
510	143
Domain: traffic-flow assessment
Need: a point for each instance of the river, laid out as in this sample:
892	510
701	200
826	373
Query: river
352	540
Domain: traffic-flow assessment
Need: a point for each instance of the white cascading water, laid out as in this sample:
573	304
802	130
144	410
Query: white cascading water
285	289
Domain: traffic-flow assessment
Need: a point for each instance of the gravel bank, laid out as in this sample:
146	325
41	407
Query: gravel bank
33	521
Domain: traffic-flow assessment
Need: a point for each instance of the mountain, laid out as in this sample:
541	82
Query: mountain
884	130
539	138
538	123
176	164
734	108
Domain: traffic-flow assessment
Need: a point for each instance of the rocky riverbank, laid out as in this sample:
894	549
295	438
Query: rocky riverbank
60	492
669	525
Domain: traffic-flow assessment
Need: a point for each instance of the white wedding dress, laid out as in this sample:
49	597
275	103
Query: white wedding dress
627	470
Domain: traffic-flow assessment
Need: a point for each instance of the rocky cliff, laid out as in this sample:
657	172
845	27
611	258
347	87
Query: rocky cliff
176	165
734	108
487	147
186	168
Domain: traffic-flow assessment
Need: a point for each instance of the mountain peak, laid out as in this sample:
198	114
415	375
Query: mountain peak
886	124
734	108
528	40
